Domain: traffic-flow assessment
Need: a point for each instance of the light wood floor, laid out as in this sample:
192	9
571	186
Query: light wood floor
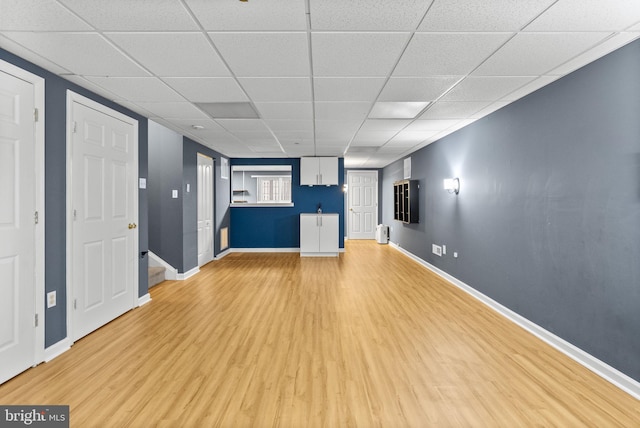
370	339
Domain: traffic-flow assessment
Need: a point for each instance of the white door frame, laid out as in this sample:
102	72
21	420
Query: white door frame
38	86
356	171
73	97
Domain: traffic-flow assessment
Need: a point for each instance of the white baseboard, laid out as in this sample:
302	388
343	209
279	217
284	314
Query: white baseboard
144	299
188	274
57	349
602	369
222	254
170	272
264	250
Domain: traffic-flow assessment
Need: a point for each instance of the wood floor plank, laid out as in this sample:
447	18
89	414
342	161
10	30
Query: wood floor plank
369	339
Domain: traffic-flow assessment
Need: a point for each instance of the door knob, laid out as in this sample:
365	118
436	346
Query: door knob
132	225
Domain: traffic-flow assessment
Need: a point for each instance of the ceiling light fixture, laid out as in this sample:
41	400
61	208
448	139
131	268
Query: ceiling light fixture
197	127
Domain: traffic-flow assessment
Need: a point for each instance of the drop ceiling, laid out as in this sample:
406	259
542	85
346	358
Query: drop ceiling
325	77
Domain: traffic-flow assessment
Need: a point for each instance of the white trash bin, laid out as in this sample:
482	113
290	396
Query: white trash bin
382	234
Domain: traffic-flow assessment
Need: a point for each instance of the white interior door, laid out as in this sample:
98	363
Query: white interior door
205	209
363	204
19	253
104	215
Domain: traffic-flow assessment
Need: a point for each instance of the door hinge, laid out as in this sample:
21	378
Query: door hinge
35	115
36	217
75	215
75	127
36	320
75	303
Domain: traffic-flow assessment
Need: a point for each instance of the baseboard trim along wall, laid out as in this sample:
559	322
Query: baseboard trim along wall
602	369
222	254
57	349
264	250
144	299
188	274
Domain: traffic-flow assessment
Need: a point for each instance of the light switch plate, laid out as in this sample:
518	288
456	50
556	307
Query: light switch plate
174	194
51	299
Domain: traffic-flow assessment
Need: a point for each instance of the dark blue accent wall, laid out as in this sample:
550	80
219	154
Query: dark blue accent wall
55	190
547	221
279	227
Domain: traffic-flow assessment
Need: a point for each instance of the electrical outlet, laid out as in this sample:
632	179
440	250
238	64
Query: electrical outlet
51	299
436	249
455	254
444	249
174	194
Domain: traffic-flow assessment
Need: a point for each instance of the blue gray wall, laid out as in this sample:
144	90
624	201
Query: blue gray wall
173	223
279	227
165	212
547	221
220	206
55	191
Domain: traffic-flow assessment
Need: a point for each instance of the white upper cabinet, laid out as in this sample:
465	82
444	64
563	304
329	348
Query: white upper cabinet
319	171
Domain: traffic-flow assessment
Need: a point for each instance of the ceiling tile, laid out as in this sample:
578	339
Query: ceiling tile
172	54
417	88
208	124
264	54
146	89
410	138
365	15
43	15
81	53
292	111
174	110
529	54
607	46
273	15
356	54
342	110
290	125
452	110
588	15
530	87
207	89
372	138
488	88
19	50
447	53
87	84
482	15
384	124
274	89
138	15
490	109
243	125
347	88
430	125
337	126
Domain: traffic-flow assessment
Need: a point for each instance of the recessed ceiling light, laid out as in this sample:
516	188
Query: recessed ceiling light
229	110
397	110
197	127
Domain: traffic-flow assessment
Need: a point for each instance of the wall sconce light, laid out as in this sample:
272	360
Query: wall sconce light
452	185
344	188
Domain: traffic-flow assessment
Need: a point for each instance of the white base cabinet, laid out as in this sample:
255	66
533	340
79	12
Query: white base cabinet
319	235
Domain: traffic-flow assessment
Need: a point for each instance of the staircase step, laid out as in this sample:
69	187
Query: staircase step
156	275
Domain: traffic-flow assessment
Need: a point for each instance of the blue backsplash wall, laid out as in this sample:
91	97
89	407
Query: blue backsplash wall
279	227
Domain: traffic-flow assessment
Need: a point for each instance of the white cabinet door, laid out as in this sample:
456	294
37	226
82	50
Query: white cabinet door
309	236
314	171
328	234
328	168
309	171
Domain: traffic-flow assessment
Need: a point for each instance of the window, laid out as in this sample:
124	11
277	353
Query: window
254	185
274	189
